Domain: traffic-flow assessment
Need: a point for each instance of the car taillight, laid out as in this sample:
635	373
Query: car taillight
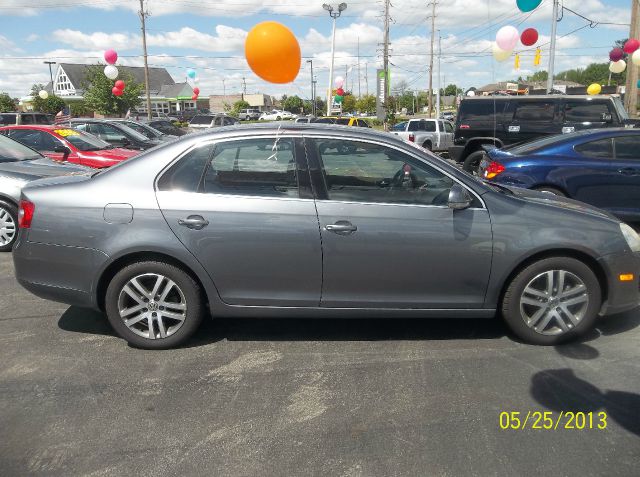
493	169
412	137
25	214
465	126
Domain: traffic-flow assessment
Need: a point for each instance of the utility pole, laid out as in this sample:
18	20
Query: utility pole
313	98
53	90
143	16
224	94
385	57
631	88
552	46
346	77
244	86
366	78
439	84
359	91
433	32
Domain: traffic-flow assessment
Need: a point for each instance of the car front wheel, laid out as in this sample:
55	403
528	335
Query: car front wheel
154	305
552	300
8	225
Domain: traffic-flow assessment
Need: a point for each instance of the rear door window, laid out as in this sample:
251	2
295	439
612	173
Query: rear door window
41	119
27	119
8	119
627	147
586	111
601	148
186	174
535	112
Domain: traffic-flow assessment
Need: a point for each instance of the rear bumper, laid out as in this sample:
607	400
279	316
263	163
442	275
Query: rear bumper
621	296
59	273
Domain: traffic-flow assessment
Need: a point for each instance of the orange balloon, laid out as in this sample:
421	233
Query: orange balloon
273	53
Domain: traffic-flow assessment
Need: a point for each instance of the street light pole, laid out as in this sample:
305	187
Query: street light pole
334	15
313	99
53	90
552	46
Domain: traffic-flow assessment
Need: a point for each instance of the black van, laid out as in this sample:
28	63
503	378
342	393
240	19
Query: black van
502	120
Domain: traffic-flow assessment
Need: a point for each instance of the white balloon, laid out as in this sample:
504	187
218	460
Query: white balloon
499	54
617	66
636	57
111	72
43	94
471	93
339	82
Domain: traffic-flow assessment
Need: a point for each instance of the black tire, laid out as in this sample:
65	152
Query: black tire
8	215
472	162
278	118
551	190
192	297
427	145
511	305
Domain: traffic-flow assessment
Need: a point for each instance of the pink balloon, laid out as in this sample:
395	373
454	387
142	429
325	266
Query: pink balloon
616	54
116	91
631	45
119	84
110	56
507	38
194	97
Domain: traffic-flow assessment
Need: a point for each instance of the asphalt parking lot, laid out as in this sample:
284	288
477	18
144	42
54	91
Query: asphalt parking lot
305	397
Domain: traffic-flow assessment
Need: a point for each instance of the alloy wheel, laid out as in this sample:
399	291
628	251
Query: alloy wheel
554	302
7	227
152	306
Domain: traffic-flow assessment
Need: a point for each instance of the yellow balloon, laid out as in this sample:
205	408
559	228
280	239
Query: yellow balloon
499	54
594	88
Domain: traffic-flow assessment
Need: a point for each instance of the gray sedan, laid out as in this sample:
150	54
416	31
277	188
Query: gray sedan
19	165
309	221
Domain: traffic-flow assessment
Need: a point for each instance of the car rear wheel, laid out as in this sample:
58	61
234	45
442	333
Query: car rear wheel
552	300
427	145
8	225
472	162
551	190
154	305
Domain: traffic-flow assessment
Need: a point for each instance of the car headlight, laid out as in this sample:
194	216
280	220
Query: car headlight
631	236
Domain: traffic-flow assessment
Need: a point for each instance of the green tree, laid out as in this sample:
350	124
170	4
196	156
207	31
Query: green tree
366	104
98	95
538	76
452	90
238	106
293	104
51	105
406	100
349	103
7	103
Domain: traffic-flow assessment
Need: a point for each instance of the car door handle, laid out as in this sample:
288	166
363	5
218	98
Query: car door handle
628	171
195	222
341	227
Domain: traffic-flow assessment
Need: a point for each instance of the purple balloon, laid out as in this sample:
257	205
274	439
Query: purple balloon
616	54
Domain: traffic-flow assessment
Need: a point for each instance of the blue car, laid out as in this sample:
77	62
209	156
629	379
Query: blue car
599	167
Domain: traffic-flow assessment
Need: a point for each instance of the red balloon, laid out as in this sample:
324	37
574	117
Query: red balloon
116	91
194	97
119	84
340	92
529	37
616	54
110	56
196	90
631	45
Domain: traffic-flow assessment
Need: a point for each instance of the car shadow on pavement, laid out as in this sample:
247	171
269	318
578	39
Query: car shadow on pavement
85	320
560	390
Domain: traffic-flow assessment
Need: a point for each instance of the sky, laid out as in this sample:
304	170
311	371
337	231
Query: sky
208	36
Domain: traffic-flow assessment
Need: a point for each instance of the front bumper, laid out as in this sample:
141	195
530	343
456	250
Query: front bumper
621	296
59	273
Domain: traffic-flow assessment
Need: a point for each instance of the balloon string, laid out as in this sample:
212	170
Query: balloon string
274	148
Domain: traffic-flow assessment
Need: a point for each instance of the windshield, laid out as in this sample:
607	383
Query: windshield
202	119
620	108
143	129
134	134
12	151
82	140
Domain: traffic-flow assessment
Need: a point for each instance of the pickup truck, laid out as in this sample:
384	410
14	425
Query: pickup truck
432	134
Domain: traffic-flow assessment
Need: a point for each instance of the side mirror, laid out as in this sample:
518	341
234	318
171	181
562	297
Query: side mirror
607	118
62	150
459	198
125	141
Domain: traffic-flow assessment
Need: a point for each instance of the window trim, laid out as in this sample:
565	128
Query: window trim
318	177
301	168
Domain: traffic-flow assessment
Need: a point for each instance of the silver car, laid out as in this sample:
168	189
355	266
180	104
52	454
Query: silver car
19	165
293	220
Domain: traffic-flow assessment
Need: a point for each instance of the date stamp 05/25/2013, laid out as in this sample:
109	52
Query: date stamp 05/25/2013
551	421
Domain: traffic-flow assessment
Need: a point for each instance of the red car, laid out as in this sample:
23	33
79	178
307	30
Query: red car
62	143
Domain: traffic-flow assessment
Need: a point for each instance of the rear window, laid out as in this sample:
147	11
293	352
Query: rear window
343	121
475	110
428	126
538	111
200	119
601	148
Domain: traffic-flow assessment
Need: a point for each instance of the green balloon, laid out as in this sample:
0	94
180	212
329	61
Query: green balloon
338	99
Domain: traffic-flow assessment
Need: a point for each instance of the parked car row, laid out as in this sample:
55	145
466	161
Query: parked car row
317	221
